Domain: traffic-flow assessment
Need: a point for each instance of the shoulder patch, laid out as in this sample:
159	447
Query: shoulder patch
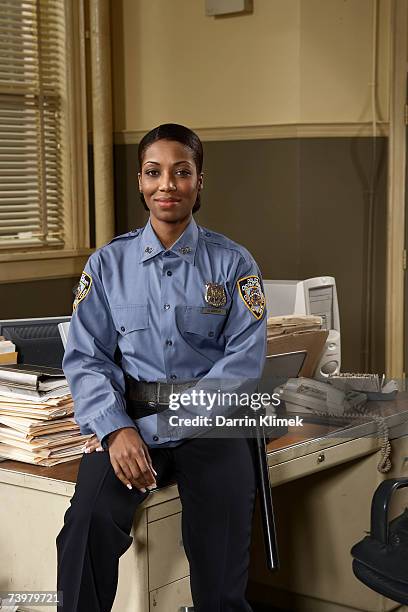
84	287
250	290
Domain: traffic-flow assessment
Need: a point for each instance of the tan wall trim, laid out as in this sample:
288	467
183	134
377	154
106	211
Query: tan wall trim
42	265
102	120
394	335
260	132
75	154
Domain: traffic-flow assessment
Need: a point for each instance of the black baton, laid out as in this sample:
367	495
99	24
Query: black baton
265	498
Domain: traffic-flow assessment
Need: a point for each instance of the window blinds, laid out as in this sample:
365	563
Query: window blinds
31	80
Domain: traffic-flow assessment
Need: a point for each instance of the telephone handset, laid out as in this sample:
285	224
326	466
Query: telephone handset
313	396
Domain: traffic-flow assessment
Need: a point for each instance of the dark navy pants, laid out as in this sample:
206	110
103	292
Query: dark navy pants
216	481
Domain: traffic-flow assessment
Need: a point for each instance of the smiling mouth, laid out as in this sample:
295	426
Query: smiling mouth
167	200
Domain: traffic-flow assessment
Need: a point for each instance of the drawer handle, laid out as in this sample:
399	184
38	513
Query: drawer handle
321	458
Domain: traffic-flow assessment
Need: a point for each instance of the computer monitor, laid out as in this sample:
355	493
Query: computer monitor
63	329
284	365
37	341
313	296
278	368
283	298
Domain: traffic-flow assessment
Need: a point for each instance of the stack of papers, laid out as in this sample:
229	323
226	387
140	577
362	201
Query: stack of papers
27	381
7	351
288	324
44	410
36	423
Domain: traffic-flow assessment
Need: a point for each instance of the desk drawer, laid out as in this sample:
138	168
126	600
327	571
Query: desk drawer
297	467
171	597
167	560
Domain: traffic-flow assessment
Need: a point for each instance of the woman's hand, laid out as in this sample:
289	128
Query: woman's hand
131	460
92	444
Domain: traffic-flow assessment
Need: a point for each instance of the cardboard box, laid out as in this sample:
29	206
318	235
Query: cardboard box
8	358
313	342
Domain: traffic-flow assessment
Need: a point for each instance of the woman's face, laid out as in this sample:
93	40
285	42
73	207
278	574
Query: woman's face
169	180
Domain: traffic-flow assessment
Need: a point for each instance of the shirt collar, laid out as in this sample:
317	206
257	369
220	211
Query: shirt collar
185	247
150	245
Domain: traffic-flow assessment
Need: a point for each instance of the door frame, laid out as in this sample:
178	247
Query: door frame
394	332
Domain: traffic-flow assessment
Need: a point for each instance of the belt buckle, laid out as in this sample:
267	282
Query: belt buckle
157	402
154	403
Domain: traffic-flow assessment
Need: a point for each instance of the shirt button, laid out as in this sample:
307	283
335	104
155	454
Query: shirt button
122	328
211	334
169	272
173	377
207	234
155	438
166	306
167	254
169	342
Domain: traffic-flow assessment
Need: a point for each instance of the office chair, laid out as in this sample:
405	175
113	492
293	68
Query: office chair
381	558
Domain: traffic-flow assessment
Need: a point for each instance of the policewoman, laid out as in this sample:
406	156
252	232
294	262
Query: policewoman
165	308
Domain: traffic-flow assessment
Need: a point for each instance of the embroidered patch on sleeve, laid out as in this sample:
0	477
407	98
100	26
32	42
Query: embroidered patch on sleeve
251	293
84	287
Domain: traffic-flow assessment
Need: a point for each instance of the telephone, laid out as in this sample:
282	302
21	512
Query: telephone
312	396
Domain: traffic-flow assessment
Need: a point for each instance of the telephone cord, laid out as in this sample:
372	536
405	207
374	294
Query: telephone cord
384	465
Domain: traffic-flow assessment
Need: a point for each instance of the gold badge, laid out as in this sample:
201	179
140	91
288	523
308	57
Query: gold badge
251	293
215	294
84	287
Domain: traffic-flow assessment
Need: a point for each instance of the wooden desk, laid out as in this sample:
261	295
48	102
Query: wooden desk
323	478
153	572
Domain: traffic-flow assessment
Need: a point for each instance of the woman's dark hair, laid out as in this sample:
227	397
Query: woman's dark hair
178	133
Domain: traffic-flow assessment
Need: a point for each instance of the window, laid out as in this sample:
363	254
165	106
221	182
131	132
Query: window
31	81
43	169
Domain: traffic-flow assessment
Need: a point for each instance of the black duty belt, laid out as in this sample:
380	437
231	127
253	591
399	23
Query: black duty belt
147	398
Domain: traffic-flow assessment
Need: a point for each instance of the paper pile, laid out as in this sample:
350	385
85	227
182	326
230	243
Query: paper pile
36	423
7	351
288	324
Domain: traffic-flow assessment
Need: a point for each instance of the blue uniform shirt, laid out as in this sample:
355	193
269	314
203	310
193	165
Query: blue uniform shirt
151	303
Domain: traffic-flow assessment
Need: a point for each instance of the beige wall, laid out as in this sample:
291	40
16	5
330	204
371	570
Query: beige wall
290	62
337	44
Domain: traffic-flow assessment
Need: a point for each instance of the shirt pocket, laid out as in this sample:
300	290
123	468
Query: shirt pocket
130	318
198	321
